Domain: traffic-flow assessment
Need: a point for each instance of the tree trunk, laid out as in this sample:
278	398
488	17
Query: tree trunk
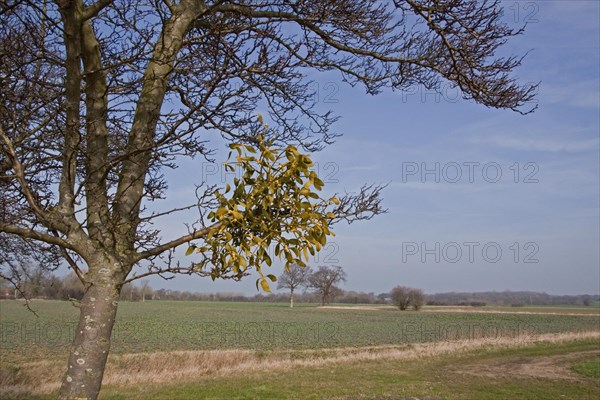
292	298
90	347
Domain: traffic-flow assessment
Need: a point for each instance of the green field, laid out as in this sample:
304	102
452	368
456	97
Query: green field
174	325
275	334
588	367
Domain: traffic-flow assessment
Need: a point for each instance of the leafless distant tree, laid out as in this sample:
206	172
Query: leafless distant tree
99	97
130	292
294	278
401	297
145	288
73	287
324	279
416	298
404	297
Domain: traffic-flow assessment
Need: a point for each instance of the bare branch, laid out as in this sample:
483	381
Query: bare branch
71	261
93	9
96	93
177	270
71	15
21	292
360	206
177	242
33	234
20	175
169	5
135	167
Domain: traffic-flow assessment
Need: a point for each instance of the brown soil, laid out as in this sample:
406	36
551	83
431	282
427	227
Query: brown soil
548	367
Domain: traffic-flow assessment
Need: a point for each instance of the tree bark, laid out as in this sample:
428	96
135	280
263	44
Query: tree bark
90	347
292	298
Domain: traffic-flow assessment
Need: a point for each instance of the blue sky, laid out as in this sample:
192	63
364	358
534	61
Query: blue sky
549	217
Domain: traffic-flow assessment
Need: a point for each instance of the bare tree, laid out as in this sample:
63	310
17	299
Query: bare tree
145	288
404	297
19	258
416	298
130	292
293	278
324	279
73	287
98	98
401	297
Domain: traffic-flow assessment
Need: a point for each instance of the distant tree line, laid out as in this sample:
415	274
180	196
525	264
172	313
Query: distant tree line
509	298
41	284
309	286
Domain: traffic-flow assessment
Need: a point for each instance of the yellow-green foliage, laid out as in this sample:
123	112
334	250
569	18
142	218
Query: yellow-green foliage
273	202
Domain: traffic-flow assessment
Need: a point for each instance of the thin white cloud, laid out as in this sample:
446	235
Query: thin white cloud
584	94
543	145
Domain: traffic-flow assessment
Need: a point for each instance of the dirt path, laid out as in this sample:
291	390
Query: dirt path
548	367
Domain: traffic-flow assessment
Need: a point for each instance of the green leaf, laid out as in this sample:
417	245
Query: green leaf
318	183
277	249
267	259
190	250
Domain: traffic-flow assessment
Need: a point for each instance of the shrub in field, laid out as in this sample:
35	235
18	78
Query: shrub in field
400	297
416	298
404	297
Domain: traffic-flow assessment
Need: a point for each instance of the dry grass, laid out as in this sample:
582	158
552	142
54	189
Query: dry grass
358	308
43	377
583	313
